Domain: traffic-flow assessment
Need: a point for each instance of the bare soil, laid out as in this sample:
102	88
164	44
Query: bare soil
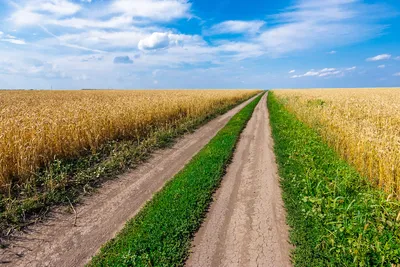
246	223
57	242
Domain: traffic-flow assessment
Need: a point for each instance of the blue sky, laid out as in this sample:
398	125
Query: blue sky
73	44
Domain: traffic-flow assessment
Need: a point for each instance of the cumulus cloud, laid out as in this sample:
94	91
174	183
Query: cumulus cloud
123	60
237	26
157	40
160	40
292	71
379	57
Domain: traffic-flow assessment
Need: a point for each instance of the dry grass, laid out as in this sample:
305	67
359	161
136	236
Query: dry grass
37	127
363	125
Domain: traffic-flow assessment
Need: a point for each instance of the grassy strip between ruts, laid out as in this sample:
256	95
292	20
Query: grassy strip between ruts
337	217
161	233
65	181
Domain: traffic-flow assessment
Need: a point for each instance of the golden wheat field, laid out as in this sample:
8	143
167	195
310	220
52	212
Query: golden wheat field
362	125
38	126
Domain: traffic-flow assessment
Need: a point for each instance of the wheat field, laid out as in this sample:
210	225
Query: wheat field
362	125
37	127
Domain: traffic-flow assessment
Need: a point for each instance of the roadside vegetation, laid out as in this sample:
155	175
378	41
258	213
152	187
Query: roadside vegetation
161	233
83	138
362	125
337	217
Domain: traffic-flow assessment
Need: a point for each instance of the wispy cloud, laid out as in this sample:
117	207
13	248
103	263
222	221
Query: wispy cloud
381	66
11	39
292	71
236	26
314	24
396	74
160	10
332	52
379	57
325	72
33	12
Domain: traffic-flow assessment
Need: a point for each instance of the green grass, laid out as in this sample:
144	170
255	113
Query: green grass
66	180
336	217
160	235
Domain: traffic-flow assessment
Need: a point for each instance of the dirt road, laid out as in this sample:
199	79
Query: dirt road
246	222
56	242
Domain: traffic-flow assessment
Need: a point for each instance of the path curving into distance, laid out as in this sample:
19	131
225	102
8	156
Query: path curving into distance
56	242
246	223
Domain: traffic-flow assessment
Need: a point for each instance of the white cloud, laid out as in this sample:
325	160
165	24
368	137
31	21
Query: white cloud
11	39
238	50
102	39
157	40
26	17
397	58
33	12
160	40
123	21
381	66
379	57
314	24
332	52
237	26
292	71
118	13
57	7
396	74
160	10
326	72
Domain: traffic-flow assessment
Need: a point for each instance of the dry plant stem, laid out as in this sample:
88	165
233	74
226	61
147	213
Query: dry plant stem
76	214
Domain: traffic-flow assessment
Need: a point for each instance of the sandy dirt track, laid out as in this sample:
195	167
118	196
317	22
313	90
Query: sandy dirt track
56	242
246	224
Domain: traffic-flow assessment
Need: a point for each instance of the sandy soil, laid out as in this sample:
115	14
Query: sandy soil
56	242
246	222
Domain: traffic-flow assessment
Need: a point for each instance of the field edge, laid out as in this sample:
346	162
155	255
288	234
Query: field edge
337	217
